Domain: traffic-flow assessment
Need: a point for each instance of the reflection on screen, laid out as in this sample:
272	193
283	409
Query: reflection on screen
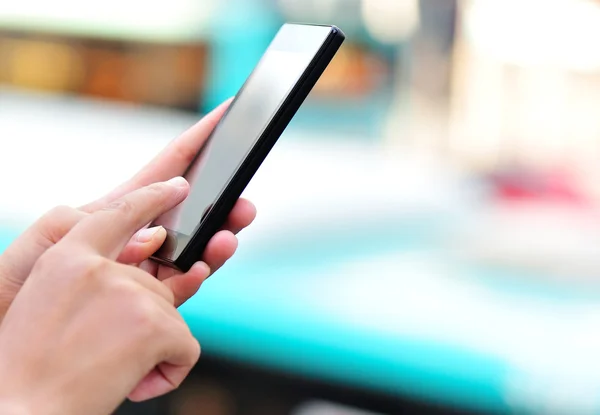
255	105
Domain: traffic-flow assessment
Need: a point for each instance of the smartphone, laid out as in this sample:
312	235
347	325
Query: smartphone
254	121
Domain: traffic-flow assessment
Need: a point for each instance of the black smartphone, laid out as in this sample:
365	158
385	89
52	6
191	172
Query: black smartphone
254	121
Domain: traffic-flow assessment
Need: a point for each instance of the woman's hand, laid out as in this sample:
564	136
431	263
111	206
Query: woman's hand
85	331
18	260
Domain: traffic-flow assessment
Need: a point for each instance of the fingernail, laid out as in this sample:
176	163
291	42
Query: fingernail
178	182
146	235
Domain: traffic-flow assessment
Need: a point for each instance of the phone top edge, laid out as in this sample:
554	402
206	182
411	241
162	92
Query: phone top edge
339	32
335	28
197	239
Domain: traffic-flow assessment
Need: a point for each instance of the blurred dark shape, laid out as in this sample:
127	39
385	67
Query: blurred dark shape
203	397
216	387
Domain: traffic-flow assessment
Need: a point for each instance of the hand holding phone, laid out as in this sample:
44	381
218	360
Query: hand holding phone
258	115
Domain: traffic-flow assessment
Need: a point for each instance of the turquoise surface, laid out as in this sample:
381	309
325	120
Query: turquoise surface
253	311
240	33
6	237
237	316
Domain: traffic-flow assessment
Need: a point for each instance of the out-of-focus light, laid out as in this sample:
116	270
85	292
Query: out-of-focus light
344	13
327	408
134	18
294	7
390	21
27	65
324	10
561	33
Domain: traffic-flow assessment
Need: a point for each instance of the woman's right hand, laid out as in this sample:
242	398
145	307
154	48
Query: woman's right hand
86	331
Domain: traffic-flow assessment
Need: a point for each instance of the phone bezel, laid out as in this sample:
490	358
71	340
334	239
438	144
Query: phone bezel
216	216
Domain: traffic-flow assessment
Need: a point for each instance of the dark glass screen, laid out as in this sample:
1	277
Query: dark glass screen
284	62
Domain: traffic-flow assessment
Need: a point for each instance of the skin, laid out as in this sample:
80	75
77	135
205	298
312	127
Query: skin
85	330
18	259
66	273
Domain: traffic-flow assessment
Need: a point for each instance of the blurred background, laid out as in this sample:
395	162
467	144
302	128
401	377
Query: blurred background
428	237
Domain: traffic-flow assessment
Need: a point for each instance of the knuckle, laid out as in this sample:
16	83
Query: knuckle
139	311
124	292
121	206
191	345
154	285
58	212
49	262
90	270
92	267
144	314
70	265
56	217
158	191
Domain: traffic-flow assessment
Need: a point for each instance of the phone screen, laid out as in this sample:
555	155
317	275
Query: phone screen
286	59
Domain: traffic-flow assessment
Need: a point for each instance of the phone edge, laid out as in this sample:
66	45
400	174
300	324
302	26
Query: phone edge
223	206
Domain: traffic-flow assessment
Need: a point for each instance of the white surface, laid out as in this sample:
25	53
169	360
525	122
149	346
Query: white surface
552	241
67	151
550	347
560	33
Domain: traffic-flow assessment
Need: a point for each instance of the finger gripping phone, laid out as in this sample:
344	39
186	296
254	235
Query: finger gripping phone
254	121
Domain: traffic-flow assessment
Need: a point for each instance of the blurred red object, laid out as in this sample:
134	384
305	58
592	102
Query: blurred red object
555	186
